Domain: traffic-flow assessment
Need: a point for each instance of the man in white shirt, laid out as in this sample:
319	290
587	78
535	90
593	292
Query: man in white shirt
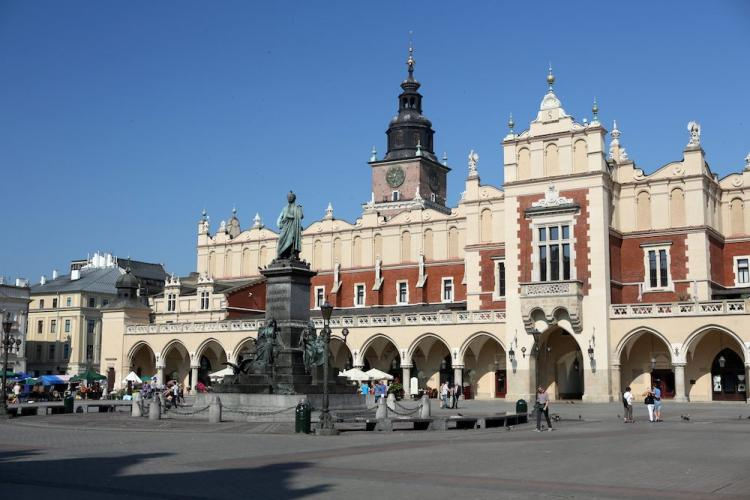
627	399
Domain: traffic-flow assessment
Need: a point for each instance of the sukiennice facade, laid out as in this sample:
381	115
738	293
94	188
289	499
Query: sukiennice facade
623	277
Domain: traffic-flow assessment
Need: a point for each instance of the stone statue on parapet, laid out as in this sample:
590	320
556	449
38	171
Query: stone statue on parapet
290	229
265	347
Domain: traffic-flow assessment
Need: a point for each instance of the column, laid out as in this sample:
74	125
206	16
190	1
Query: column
406	378
458	374
616	387
679	383
160	374
193	379
747	382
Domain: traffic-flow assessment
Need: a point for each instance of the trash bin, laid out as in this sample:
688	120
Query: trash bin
522	407
68	404
302	417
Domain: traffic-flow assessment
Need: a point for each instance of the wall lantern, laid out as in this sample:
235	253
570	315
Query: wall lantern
345	333
523	351
512	355
576	365
722	361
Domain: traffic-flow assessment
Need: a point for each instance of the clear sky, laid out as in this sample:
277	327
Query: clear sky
120	121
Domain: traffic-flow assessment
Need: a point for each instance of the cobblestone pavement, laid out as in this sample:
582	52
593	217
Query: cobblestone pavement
591	454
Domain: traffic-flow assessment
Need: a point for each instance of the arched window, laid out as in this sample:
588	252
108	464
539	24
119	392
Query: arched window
485	226
356	251
677	208
427	245
643	211
377	247
211	264
737	217
580	157
406	246
262	256
452	243
228	271
317	255
551	161
524	164
336	251
246	265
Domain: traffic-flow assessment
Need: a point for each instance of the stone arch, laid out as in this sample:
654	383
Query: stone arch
336	254
377	247
736	217
341	355
246	262
637	332
580	156
695	337
262	256
210	356
356	251
677	207
473	336
433	363
646	358
702	348
142	359
551	161
485	225
483	357
384	352
317	259
176	361
524	164
643	210
243	348
453	242
560	364
427	245
406	246
228	271
211	264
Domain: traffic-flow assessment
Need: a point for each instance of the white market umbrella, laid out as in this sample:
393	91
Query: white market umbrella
221	373
132	377
355	374
376	374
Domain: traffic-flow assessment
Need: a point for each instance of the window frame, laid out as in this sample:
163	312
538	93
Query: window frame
68	326
205	300
357	287
41	303
399	302
54	303
395	195
91	302
496	295
90	326
171	302
547	221
53	326
445	280
40	326
736	268
657	248
319	297
68	301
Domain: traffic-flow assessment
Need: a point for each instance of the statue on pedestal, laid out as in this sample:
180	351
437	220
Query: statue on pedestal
265	346
290	226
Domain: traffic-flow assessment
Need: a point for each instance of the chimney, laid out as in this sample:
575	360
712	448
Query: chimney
43	280
54	274
21	283
75	274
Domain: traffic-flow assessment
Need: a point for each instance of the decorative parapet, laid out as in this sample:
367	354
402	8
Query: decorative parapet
362	321
552	302
678	309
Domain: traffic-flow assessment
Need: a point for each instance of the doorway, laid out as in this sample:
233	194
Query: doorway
500	384
728	377
664	380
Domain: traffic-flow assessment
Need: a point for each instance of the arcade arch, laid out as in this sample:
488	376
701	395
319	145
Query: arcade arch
340	355
484	372
646	359
381	352
559	364
176	361
716	365
142	360
431	360
211	356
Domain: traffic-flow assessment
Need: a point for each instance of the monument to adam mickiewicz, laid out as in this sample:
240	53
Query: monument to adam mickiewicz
290	225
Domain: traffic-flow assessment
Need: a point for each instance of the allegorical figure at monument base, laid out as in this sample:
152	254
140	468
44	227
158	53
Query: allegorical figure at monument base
290	226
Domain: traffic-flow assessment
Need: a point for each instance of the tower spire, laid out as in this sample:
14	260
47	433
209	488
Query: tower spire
410	62
550	78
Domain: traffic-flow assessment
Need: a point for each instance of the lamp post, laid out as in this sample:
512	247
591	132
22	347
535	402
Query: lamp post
7	343
325	426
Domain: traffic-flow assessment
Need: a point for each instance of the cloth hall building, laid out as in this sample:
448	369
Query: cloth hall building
582	273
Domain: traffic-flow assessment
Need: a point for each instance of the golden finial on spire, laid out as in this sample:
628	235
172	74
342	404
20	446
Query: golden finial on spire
550	77
595	110
410	61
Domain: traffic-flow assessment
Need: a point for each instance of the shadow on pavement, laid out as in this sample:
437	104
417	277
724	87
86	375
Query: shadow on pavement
108	477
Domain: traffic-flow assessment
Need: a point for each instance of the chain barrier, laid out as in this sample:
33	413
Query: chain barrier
188	413
251	413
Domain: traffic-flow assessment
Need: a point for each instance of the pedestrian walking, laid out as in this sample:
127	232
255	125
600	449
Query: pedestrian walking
175	393
627	401
444	395
657	402
649	402
457	391
542	406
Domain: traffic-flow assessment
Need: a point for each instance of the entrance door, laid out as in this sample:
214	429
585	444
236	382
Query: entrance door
728	377
500	386
664	380
110	379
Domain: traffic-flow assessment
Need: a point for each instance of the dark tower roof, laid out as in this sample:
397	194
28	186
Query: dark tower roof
127	285
410	133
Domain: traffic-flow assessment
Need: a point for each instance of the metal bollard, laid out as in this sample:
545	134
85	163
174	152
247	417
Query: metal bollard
382	411
391	402
424	409
214	411
154	409
135	408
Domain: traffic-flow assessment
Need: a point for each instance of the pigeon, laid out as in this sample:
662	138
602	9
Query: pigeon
618	416
685	418
579	417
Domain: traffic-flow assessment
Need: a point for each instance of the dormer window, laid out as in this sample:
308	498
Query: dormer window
204	301
171	302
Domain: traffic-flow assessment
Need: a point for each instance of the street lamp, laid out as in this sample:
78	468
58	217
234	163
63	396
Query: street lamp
345	333
325	426
7	343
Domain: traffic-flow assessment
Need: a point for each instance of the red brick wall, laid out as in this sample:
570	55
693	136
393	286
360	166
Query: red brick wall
716	255
632	269
580	231
730	251
251	297
487	278
431	293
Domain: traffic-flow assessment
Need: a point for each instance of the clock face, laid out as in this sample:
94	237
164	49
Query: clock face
395	176
434	181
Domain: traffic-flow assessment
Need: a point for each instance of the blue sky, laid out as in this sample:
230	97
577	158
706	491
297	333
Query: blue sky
120	121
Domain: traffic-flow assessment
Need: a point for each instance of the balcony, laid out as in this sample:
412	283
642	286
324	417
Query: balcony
550	303
678	309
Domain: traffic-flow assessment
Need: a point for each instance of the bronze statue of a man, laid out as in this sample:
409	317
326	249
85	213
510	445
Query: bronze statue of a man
290	225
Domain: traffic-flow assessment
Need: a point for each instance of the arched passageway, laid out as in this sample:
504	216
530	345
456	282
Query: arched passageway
142	361
176	363
431	362
560	364
645	361
381	353
716	367
340	356
211	358
484	373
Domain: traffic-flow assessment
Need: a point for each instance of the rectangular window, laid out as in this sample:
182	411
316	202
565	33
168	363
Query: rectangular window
447	289
51	353
54	303
359	295
53	326
105	302
554	249
67	326
204	301
90	326
66	351
40	326
320	296
69	302
41	303
395	196
92	301
743	270
500	285
656	263
171	302
402	292
89	351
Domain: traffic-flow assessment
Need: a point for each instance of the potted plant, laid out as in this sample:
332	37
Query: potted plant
397	390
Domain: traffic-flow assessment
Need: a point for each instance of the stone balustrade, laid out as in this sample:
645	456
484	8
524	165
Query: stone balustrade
353	321
678	309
